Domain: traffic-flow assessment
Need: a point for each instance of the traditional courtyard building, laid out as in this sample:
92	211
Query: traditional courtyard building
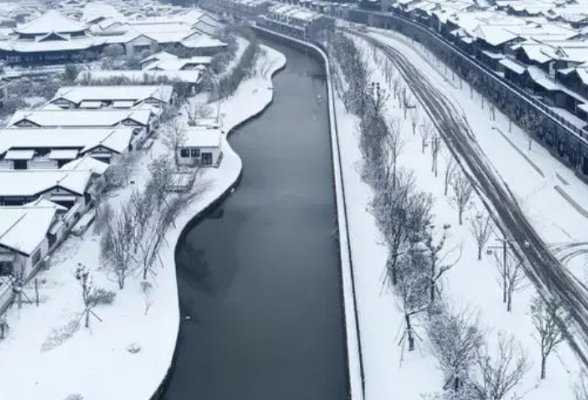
49	39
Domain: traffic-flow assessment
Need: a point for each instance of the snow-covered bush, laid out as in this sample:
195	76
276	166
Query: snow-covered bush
102	297
133	348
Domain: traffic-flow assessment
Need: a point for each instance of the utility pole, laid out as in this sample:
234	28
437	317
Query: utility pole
504	247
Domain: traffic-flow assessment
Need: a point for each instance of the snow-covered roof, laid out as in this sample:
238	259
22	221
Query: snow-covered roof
177	64
19	155
32	182
51	21
134	93
29	46
162	55
202	42
90	104
86	163
80	118
25	227
115	139
61	154
202	137
95	10
512	65
190	76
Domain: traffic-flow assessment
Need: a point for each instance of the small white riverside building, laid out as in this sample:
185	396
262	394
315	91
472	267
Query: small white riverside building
202	147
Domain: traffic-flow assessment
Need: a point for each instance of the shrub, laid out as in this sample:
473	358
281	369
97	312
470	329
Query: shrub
102	296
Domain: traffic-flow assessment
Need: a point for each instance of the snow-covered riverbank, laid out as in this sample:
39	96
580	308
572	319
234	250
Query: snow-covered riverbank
95	363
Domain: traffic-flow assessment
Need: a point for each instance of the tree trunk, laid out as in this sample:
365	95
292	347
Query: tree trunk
460	213
479	253
456	383
433	273
509	301
543	366
409	333
87	321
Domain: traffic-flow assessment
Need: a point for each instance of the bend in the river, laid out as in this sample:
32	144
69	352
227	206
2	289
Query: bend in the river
259	277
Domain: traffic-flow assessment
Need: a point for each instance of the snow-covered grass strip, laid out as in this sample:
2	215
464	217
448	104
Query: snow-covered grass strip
470	283
354	356
128	354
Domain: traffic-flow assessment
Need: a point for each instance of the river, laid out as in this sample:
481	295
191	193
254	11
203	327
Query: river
259	285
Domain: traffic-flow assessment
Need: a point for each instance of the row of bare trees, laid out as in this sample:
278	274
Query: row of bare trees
418	254
135	231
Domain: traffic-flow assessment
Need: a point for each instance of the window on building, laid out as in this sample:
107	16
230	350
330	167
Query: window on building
37	257
5	268
184	153
206	158
195	152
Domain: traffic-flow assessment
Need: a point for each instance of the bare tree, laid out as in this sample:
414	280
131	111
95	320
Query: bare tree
456	338
116	244
103	214
462	194
500	373
393	147
547	317
400	213
481	228
435	148
147	289
581	387
512	276
438	259
426	131
412	288
396	85
174	138
530	124
450	171
414	121
197	110
86	281
18	281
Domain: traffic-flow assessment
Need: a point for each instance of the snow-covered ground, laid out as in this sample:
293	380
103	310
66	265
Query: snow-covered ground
391	372
558	220
95	363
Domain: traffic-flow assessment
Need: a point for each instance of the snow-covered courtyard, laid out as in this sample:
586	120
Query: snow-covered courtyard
127	354
537	180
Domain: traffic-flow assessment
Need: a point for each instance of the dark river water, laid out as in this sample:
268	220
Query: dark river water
259	278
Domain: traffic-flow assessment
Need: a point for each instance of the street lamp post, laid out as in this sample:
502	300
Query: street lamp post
504	242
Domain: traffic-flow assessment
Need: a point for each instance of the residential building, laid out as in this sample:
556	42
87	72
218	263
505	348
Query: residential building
168	62
248	9
190	77
67	188
119	97
294	20
202	147
27	234
51	148
140	118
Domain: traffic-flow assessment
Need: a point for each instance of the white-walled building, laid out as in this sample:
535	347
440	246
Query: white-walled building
82	118
120	97
67	188
27	234
202	147
51	148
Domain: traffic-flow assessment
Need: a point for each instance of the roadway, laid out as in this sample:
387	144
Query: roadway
543	268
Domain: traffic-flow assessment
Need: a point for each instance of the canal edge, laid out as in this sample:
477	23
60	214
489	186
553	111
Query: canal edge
353	348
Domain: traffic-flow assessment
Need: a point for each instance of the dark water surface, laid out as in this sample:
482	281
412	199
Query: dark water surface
259	278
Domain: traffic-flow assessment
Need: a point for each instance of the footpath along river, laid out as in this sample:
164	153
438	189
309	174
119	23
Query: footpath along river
259	277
